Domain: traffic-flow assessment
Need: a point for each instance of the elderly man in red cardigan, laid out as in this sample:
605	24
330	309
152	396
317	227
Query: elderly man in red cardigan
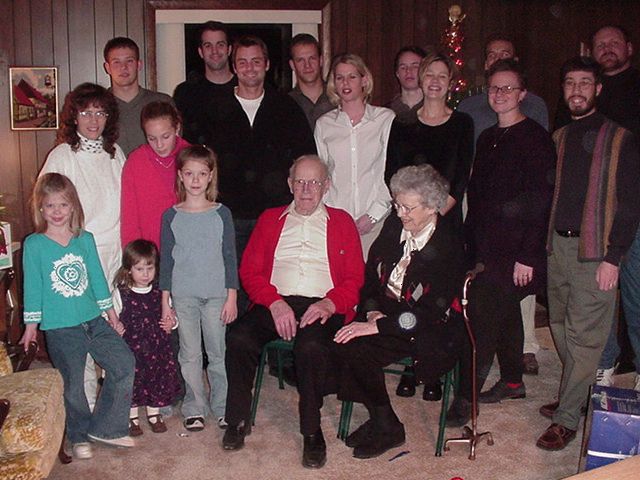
302	270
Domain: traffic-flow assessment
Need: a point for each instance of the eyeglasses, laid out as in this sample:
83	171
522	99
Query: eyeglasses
506	89
88	114
314	185
404	209
582	84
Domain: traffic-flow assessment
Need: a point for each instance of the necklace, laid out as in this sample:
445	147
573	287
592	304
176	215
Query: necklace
499	137
165	165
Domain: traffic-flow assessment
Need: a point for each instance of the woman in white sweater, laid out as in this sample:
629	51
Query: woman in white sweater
87	153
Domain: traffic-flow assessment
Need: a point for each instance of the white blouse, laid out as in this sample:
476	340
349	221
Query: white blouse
356	156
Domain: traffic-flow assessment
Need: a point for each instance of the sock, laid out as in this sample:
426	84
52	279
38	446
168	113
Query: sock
152	411
133	414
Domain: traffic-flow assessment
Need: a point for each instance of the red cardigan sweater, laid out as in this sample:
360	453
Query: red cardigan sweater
343	249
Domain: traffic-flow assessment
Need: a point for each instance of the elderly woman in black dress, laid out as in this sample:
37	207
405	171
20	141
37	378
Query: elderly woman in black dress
509	199
413	274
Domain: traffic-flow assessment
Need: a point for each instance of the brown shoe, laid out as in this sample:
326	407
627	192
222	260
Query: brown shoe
134	427
530	364
549	409
158	426
556	437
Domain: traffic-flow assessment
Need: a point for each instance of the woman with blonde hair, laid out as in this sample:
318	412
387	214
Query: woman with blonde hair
352	140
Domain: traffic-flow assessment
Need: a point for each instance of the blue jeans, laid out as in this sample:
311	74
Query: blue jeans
199	320
68	349
630	293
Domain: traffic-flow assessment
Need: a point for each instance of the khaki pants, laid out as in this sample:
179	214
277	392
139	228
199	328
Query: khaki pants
580	317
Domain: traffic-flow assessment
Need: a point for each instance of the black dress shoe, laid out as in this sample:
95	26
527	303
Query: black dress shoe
360	435
314	453
432	393
407	385
233	438
380	441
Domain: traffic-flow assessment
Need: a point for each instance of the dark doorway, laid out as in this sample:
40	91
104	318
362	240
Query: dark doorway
276	36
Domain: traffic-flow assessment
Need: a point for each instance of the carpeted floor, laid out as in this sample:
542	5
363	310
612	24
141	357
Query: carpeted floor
274	449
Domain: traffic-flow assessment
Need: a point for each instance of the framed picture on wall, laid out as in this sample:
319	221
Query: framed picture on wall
34	98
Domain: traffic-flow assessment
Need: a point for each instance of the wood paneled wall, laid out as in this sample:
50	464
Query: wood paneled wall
70	34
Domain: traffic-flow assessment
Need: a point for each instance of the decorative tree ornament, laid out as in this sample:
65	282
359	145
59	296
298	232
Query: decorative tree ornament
452	41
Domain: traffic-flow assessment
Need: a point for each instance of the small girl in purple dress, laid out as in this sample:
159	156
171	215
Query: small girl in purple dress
137	295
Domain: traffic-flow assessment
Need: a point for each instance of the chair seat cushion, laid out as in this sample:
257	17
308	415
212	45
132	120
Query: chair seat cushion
35	397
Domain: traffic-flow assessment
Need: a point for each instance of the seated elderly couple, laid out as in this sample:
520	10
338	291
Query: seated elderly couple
303	271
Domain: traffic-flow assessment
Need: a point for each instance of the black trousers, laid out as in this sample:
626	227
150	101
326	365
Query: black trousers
362	359
314	362
496	321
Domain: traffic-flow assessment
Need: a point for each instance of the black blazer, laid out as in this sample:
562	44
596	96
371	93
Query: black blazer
430	291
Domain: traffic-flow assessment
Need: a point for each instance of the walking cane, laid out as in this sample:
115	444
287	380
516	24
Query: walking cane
471	435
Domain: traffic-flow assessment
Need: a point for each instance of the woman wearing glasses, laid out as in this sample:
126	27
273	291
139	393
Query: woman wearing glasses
87	153
352	139
509	200
413	274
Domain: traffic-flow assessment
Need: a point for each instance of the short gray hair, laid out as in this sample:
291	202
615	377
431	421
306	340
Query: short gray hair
315	158
423	180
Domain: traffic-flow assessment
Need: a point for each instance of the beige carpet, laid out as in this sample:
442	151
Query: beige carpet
274	449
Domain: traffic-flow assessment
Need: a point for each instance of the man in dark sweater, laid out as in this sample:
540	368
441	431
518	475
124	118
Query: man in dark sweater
310	90
256	132
199	93
594	217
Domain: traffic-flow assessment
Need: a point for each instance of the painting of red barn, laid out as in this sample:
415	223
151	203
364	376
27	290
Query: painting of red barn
34	98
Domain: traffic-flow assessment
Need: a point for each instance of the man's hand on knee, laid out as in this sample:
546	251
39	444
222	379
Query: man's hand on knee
322	310
284	319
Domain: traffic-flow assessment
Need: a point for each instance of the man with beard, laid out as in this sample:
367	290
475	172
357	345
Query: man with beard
620	96
593	222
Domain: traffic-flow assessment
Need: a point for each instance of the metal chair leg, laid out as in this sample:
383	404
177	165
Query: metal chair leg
448	385
258	385
345	419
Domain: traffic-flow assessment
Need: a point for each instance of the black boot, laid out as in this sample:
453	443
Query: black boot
387	433
360	435
407	385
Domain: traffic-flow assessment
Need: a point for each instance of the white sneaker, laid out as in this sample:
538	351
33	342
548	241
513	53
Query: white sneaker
222	423
604	377
123	442
82	450
637	385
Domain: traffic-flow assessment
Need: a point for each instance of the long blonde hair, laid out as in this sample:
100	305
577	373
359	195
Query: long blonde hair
48	184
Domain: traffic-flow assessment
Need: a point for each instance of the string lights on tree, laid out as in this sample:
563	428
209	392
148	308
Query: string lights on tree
452	41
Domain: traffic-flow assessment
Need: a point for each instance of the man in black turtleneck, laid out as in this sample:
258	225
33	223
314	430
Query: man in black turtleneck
619	99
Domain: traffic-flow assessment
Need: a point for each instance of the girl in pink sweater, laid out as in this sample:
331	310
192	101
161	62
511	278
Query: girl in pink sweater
149	175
